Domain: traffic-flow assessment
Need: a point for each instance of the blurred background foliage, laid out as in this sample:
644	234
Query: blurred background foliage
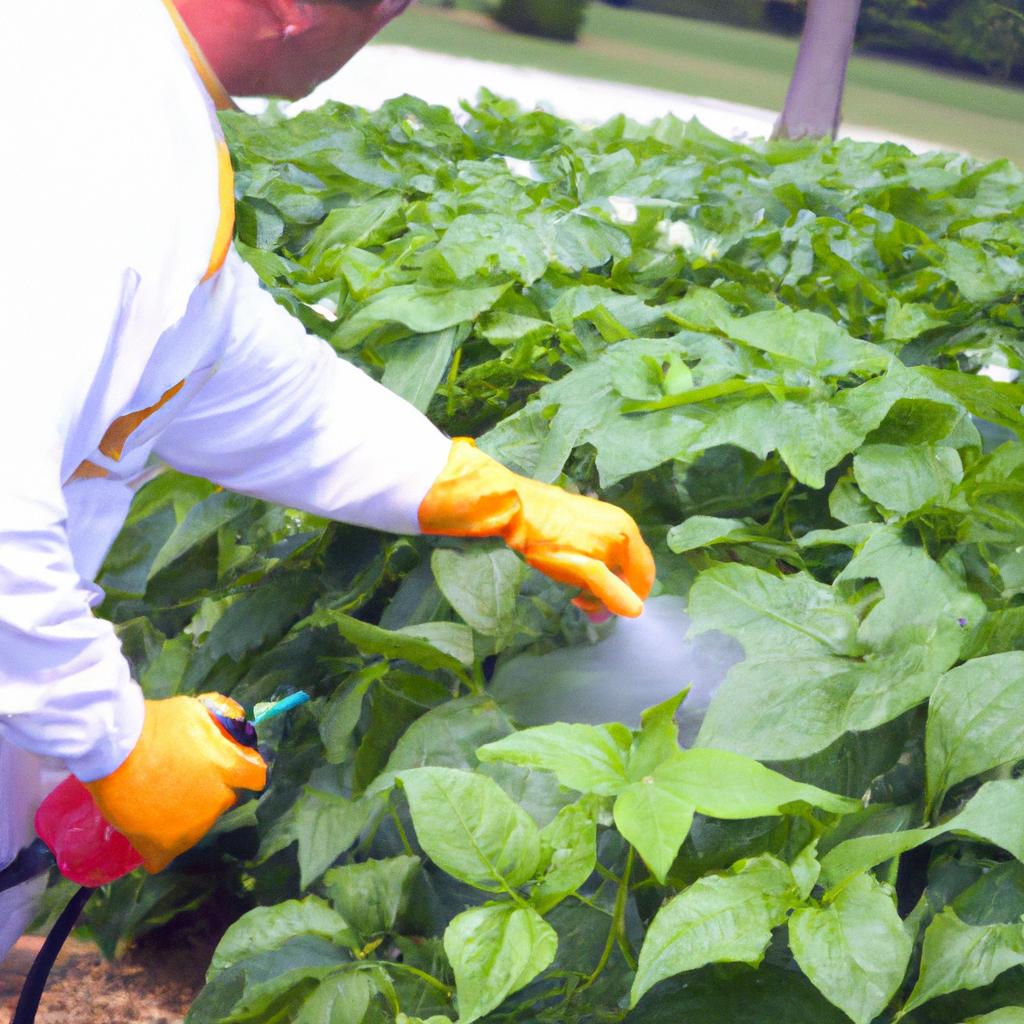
560	20
984	37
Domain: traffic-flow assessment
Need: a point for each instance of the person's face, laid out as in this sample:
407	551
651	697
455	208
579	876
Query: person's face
283	47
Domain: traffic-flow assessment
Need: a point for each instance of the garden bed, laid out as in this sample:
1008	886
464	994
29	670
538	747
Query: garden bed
769	354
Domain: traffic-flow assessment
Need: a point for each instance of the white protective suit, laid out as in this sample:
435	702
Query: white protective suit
128	330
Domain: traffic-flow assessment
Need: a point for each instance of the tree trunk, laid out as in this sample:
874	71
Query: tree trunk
816	91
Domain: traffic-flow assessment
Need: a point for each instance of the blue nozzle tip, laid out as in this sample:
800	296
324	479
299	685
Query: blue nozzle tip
293	700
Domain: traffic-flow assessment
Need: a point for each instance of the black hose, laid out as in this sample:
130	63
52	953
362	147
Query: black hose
35	982
32	860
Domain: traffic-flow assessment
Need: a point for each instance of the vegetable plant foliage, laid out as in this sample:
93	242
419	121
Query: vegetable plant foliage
769	355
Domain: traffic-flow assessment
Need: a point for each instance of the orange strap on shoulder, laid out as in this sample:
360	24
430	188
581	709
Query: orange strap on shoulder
226	223
217	92
225	175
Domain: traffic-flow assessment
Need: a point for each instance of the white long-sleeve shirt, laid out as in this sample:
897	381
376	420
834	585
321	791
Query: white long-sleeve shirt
121	337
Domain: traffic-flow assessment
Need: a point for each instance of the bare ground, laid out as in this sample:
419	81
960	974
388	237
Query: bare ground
155	982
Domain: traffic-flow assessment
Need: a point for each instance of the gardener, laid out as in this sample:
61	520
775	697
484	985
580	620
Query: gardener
130	330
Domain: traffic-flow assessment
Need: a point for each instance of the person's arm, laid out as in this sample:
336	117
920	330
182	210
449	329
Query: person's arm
285	419
65	688
160	771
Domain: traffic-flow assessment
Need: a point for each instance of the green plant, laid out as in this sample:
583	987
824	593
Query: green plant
768	354
554	19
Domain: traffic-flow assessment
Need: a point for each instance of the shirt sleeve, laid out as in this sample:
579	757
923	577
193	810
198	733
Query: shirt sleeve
285	419
65	687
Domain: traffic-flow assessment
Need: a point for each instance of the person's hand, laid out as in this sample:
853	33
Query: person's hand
575	540
179	779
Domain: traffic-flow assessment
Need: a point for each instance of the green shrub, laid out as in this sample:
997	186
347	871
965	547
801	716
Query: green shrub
553	19
742	13
770	359
982	36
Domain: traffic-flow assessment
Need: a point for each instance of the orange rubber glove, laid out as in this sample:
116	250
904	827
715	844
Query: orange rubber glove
180	778
576	540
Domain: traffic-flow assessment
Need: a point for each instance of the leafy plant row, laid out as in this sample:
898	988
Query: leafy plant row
769	355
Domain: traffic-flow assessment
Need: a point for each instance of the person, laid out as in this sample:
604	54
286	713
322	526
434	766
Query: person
133	331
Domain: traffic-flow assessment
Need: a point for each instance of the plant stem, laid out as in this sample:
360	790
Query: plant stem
516	897
780	504
427	979
616	931
620	913
401	830
478	683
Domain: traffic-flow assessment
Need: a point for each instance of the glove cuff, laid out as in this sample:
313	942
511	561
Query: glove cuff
475	496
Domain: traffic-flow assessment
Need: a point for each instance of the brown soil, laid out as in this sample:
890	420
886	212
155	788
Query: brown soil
155	982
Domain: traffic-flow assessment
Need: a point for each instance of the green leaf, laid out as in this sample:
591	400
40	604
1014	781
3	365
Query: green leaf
475	240
268	985
448	736
704	531
414	367
812	432
1007	1015
991	400
267	928
356	224
720	918
342	998
201	522
432	645
961	956
658	740
992	814
587	758
855	949
482	585
568	854
326	826
575	241
980	277
795	614
251	621
421	308
737	994
808	339
655	813
722	784
903	479
975	720
469	827
812	672
806	869
373	894
496	950
450	638
341	715
655	821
